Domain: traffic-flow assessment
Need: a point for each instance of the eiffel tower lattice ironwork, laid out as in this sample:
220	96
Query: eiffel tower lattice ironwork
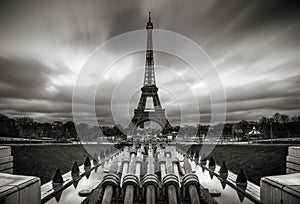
142	114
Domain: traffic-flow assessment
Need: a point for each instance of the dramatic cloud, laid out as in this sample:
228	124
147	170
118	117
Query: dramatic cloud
254	44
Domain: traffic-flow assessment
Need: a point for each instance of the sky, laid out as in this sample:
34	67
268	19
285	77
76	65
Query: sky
254	45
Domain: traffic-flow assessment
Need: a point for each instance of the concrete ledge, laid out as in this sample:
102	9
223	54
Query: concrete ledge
280	189
16	189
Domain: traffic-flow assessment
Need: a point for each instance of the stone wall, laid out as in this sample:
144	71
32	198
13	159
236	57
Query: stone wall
293	160
280	189
283	188
16	189
6	160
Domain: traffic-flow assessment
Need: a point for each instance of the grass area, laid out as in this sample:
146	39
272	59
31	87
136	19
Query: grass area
43	160
256	160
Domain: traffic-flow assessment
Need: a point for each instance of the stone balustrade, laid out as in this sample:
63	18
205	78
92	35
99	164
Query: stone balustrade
16	189
293	160
280	189
6	160
283	188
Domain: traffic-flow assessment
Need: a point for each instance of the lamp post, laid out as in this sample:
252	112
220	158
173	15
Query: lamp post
271	132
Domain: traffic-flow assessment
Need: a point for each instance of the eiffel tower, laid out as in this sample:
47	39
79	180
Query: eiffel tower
143	114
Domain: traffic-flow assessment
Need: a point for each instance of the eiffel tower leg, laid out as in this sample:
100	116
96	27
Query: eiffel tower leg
142	102
156	102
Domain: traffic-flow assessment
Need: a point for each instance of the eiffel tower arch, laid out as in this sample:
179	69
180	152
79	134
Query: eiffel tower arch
143	114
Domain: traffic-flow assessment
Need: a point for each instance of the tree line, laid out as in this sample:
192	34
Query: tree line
26	127
276	126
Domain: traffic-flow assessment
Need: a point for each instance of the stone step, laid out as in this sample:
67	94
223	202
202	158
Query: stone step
5	151
293	166
6	159
295	160
5	166
291	171
8	171
294	152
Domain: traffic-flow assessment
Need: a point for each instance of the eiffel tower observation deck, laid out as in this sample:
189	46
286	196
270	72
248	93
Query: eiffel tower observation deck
149	90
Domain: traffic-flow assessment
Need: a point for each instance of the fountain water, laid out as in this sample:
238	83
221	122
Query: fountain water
152	174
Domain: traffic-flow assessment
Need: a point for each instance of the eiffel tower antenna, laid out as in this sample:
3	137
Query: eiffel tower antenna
149	78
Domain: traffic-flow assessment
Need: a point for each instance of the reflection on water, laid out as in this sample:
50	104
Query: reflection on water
223	179
228	194
210	181
240	194
206	178
90	181
57	187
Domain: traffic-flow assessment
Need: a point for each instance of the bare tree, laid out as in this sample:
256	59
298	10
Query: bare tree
264	120
294	118
276	117
284	118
